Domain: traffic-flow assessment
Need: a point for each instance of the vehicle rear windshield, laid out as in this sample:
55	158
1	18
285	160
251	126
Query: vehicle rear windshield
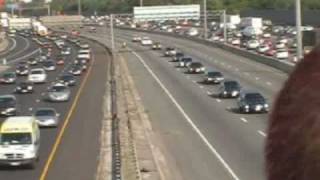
15	138
45	112
58	88
37	72
215	74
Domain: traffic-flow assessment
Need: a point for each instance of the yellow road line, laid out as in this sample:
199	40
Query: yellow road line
64	127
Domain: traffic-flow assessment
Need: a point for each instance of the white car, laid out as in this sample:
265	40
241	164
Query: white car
84	54
263	48
136	39
235	42
282	54
266	35
37	75
193	32
146	41
253	44
280	45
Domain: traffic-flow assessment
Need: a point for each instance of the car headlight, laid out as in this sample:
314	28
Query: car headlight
266	105
29	87
10	109
247	106
30	154
19	88
224	92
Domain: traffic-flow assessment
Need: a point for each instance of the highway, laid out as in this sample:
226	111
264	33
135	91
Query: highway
204	137
70	151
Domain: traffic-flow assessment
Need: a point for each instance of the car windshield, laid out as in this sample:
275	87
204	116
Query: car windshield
214	74
37	72
67	77
196	65
58	88
15	138
45	112
254	97
187	59
48	63
8	75
231	85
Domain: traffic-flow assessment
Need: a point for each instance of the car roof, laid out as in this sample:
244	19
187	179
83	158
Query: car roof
8	96
17	124
45	108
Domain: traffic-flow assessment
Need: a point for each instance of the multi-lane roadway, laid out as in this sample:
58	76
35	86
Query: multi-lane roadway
204	137
71	150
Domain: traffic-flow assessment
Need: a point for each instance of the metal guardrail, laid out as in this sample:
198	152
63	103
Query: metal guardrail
282	66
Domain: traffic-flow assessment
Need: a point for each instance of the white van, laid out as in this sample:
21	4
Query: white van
19	141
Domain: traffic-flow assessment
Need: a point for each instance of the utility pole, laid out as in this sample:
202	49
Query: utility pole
141	3
205	23
225	26
12	11
79	7
298	27
112	35
49	9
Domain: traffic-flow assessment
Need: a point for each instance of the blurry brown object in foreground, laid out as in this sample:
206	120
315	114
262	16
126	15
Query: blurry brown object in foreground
293	143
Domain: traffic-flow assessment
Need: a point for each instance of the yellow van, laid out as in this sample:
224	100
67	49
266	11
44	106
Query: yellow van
19	141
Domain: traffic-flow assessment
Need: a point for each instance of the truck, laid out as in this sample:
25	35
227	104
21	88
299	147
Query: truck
252	22
20	23
19	141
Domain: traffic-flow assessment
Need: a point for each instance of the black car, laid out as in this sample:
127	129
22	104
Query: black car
23	63
177	57
196	67
24	87
22	70
156	46
229	89
49	65
8	105
213	77
252	102
32	61
67	79
8	78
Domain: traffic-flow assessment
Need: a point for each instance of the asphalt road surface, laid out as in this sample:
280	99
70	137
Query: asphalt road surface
205	138
70	151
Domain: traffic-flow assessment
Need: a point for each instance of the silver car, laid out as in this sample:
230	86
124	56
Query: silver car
47	117
59	93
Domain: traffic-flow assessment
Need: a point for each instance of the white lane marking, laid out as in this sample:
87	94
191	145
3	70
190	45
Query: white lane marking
201	87
218	100
189	120
236	69
257	78
262	133
209	93
24	57
247	74
42	94
244	120
269	83
194	81
31	109
22	50
229	66
14	45
38	100
188	77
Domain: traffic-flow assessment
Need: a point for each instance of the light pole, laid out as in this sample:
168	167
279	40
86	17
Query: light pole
79	7
298	27
141	3
205	23
225	26
112	35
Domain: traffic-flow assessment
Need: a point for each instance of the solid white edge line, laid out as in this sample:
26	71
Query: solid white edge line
262	133
193	125
244	120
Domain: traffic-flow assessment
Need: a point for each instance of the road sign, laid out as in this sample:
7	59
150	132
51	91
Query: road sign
149	13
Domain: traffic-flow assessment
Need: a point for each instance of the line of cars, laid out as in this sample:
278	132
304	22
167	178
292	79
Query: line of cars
248	101
19	132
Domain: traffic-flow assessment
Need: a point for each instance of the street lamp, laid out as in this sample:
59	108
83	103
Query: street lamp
79	7
298	27
205	24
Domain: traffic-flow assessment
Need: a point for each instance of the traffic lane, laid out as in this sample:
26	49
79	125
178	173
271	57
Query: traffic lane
248	132
12	45
224	59
17	44
78	155
47	135
239	145
257	122
186	155
23	45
